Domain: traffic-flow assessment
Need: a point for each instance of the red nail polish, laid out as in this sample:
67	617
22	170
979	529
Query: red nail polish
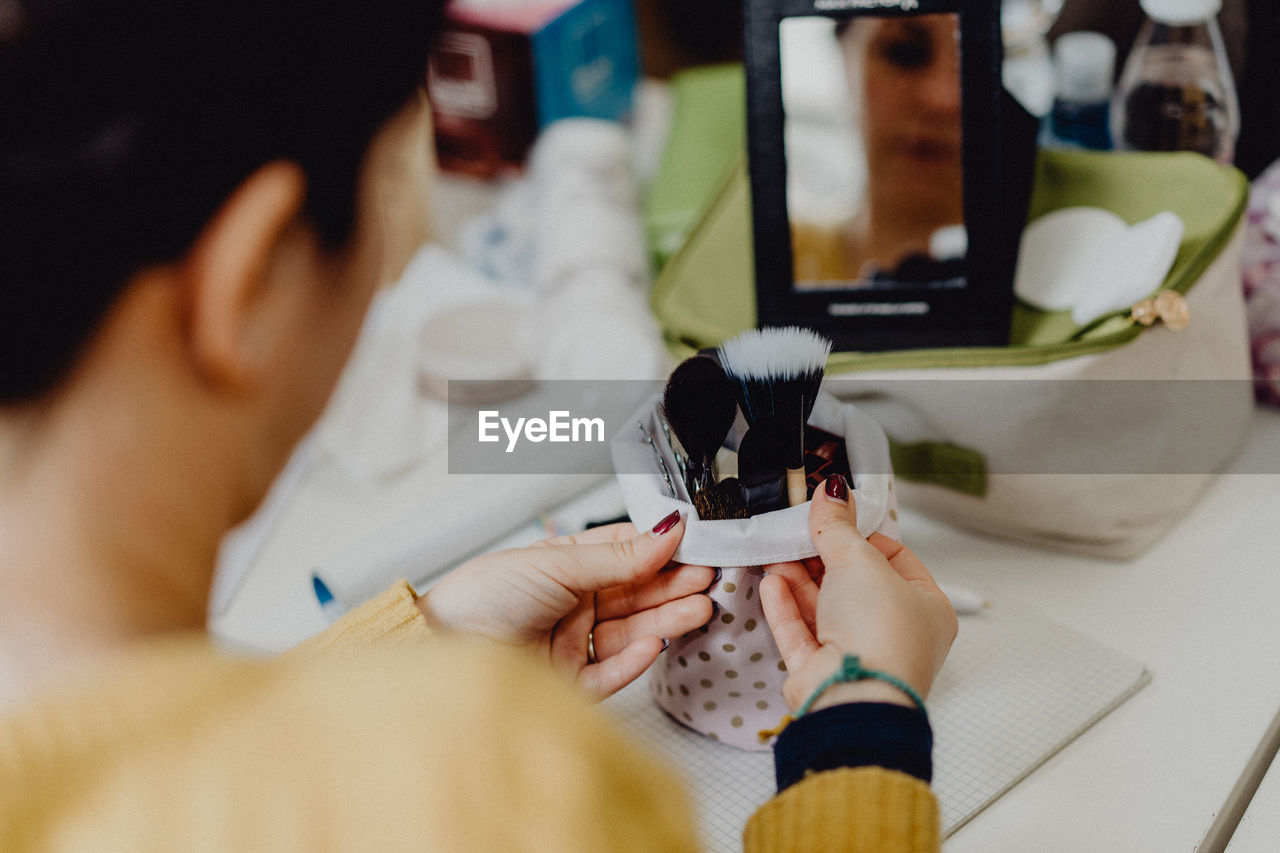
667	523
837	488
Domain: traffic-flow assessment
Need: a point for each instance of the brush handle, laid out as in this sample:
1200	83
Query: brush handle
697	475
797	488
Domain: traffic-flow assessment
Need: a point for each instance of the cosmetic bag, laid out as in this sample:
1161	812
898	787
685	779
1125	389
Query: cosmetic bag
725	678
1090	440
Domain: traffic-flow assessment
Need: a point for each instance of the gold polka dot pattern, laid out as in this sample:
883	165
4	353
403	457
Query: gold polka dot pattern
727	675
726	678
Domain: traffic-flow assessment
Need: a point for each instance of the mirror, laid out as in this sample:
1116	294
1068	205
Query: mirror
872	133
875	143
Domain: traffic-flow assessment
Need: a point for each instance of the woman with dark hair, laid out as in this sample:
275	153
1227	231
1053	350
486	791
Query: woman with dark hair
903	76
191	233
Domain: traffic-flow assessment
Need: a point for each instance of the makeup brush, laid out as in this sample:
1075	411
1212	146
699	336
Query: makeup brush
776	372
720	500
762	466
700	406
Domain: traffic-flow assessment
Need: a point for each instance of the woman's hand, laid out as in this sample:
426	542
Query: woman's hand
605	590
867	597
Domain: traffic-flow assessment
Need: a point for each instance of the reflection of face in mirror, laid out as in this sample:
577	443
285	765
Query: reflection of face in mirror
893	105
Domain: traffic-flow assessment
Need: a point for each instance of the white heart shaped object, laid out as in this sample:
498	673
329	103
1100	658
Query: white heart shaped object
1129	267
1054	258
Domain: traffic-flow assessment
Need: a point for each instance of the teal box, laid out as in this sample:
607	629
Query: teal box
586	62
499	74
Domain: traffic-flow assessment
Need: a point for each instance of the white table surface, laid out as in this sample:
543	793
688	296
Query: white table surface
1259	829
1198	609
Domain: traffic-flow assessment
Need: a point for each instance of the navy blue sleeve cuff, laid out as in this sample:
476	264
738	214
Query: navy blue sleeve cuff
857	734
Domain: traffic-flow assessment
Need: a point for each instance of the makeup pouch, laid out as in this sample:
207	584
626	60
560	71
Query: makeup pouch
1093	440
725	678
1262	283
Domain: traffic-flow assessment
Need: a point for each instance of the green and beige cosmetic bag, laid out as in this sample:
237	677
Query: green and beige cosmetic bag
1093	440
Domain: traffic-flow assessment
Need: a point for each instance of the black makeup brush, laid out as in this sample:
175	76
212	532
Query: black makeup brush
776	372
699	405
720	500
762	466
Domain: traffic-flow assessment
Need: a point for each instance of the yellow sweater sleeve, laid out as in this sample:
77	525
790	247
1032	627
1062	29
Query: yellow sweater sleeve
391	619
850	810
463	746
457	748
858	809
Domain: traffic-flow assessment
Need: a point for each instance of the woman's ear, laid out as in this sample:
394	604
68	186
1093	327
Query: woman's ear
404	173
228	274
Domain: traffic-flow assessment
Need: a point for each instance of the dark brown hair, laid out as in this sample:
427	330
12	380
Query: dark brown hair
124	124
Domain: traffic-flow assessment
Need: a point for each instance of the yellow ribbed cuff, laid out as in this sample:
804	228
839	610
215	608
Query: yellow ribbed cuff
390	619
846	810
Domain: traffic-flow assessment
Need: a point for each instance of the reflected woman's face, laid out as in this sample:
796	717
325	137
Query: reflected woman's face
906	74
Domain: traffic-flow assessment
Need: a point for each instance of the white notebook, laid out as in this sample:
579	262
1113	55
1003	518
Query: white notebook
1016	688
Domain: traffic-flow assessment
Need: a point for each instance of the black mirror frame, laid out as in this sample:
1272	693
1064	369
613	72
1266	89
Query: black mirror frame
977	314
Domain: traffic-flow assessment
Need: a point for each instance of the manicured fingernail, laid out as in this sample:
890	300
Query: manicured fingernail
837	489
719	574
667	523
666	644
715	608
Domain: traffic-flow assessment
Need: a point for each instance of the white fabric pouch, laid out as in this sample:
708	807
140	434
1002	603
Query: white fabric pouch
725	679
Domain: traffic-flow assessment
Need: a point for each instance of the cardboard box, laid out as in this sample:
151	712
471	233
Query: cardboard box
502	71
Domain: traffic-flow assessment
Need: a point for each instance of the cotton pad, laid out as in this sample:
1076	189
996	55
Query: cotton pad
1055	259
1129	267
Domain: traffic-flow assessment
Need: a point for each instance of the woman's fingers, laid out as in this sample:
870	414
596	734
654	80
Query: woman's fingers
616	671
833	526
670	619
592	535
791	632
902	558
803	588
815	568
569	647
594	566
671	583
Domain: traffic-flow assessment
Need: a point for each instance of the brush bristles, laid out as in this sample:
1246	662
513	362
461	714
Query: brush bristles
700	405
776	372
778	353
721	500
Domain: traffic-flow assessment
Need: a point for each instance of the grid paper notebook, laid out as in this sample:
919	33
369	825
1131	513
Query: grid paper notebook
1016	688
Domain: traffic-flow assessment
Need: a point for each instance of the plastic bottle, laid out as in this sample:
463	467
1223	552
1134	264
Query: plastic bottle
1083	68
1027	69
1176	92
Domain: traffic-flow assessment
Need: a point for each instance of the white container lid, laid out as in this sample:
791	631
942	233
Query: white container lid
1083	66
1178	12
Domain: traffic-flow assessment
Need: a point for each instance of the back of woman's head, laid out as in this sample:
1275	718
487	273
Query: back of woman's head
124	124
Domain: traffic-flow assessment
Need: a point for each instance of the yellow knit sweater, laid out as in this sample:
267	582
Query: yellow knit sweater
374	736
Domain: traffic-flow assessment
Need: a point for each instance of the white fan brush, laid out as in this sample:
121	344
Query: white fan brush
776	374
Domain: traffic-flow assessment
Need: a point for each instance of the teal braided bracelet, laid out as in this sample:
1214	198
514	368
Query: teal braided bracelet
851	669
